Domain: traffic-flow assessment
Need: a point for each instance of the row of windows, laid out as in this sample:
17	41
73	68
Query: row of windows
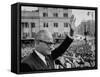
27	34
26	25
33	25
55	14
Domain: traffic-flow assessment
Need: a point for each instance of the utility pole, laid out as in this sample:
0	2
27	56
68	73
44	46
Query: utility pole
85	32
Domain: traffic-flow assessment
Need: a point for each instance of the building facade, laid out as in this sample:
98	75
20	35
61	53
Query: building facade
56	20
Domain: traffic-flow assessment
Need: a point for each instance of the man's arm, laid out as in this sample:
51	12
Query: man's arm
62	48
65	44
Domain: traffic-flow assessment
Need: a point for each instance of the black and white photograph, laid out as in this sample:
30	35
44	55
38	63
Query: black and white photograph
49	38
55	38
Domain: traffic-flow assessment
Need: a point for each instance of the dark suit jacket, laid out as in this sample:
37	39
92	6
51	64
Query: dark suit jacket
34	63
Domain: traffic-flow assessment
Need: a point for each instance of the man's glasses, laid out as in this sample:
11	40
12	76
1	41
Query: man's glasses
48	43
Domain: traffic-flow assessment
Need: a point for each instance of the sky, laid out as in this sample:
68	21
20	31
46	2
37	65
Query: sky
80	15
29	8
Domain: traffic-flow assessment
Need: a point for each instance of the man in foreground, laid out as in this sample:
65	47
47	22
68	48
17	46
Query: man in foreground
45	54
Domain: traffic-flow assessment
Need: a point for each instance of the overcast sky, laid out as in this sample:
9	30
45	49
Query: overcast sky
29	8
82	15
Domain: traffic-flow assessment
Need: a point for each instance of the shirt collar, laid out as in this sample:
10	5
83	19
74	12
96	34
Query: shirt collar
42	57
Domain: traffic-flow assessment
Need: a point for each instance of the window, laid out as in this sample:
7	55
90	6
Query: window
55	24
22	24
65	14
33	34
45	24
26	25
45	14
65	24
32	25
55	14
25	35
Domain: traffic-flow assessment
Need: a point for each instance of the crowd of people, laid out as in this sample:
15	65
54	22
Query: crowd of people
77	55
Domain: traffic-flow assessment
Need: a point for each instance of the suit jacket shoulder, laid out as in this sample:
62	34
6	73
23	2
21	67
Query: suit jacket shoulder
33	63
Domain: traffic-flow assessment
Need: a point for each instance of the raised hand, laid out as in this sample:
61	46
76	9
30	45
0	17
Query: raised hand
71	30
